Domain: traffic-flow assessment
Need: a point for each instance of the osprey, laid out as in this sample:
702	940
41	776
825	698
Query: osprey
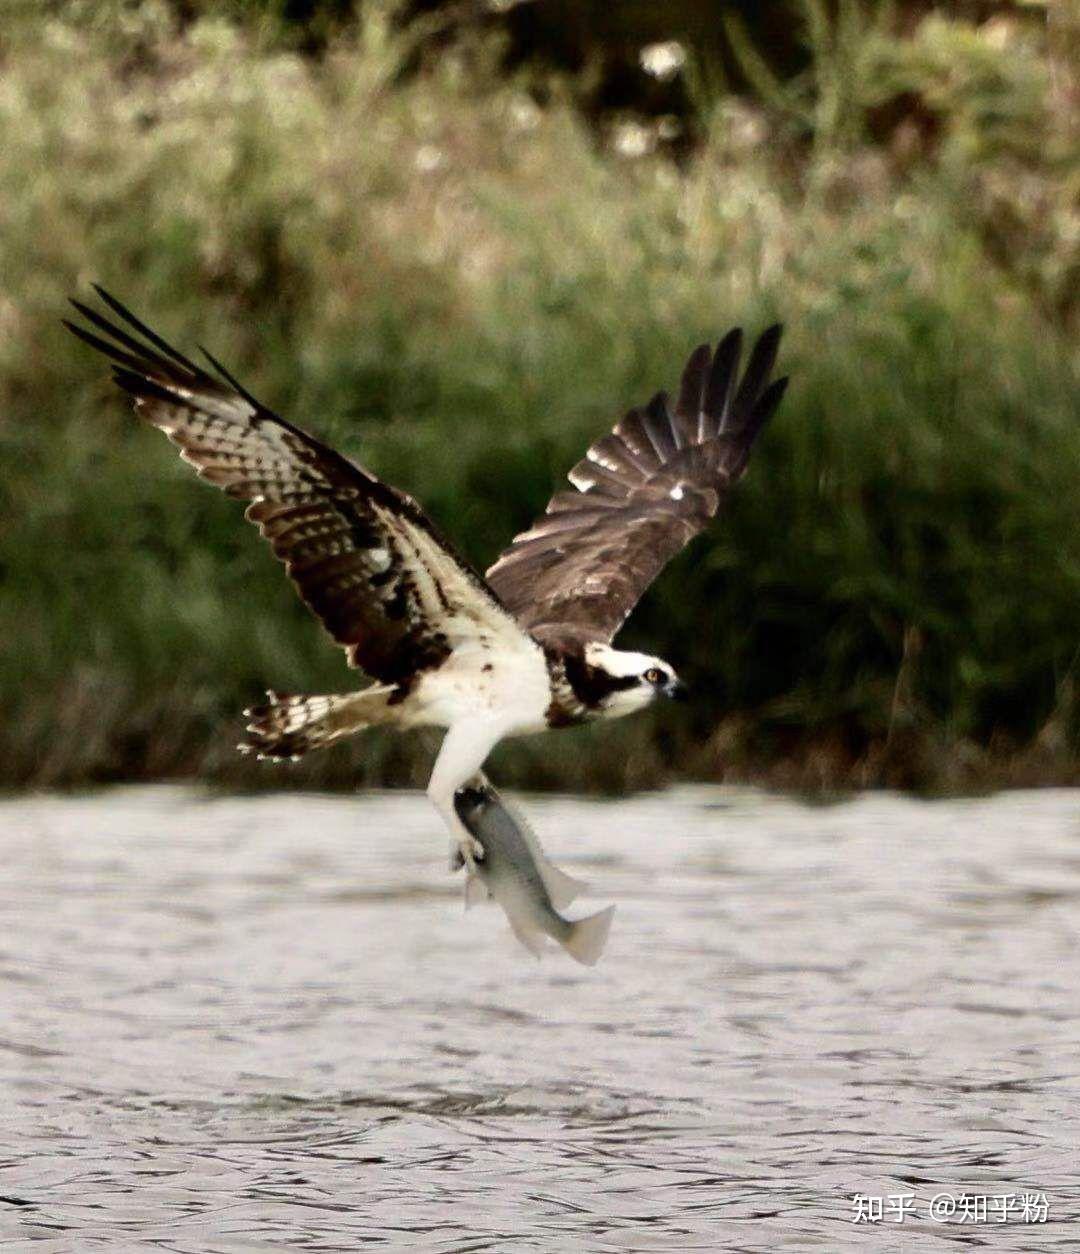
526	647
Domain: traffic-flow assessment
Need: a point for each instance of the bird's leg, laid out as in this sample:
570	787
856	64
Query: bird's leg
471	799
464	750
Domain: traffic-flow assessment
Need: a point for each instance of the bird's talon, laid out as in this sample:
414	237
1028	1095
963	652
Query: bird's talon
466	852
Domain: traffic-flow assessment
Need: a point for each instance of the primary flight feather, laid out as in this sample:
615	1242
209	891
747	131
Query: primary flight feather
526	648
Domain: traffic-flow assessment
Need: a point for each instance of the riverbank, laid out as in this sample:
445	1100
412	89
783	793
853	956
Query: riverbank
463	288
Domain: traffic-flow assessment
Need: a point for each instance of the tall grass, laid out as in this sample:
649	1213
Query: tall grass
461	290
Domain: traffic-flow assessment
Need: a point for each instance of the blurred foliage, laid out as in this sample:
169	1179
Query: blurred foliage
458	281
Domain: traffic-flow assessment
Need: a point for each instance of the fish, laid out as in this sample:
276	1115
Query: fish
515	871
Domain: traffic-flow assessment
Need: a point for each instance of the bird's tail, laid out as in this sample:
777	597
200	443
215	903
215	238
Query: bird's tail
287	726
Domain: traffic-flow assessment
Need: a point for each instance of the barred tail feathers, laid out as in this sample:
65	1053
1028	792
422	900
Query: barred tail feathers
288	726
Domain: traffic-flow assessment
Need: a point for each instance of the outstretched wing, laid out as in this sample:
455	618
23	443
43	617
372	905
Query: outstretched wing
641	494
363	556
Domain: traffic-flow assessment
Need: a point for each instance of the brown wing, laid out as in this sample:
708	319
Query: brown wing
641	494
362	555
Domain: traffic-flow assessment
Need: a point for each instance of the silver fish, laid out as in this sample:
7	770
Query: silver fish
516	873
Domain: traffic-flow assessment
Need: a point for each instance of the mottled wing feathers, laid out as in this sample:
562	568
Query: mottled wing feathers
640	494
362	555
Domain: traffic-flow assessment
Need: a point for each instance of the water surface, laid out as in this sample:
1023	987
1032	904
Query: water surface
252	1023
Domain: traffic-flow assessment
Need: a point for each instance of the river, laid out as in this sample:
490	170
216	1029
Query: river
254	1023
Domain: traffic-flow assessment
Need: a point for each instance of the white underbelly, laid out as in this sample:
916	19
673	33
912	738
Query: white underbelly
511	689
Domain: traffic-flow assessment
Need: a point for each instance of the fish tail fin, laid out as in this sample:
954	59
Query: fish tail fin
588	937
288	726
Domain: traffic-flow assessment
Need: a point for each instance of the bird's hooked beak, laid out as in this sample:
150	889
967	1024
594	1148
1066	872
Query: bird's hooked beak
677	691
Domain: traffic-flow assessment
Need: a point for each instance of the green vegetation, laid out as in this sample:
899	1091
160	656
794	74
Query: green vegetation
462	289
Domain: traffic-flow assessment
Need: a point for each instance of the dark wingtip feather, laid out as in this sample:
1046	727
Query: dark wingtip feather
769	343
103	324
163	345
77	331
137	351
721	382
692	384
770	399
142	387
112	302
105	348
234	383
658	427
686	418
756	375
767	404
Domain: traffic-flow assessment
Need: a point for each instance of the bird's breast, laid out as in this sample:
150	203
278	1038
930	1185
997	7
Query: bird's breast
512	689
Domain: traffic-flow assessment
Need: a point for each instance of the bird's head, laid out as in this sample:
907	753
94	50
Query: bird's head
627	681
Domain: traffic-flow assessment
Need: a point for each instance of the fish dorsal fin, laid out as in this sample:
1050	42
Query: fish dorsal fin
475	891
562	888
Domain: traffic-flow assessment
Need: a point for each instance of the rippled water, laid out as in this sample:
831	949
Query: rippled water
254	1023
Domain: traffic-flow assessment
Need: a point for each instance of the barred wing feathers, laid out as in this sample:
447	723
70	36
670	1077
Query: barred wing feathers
363	556
640	494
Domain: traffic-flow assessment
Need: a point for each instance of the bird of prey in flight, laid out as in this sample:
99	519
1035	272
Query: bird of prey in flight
526	647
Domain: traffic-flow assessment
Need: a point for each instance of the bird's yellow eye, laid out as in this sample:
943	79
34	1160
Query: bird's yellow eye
654	675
